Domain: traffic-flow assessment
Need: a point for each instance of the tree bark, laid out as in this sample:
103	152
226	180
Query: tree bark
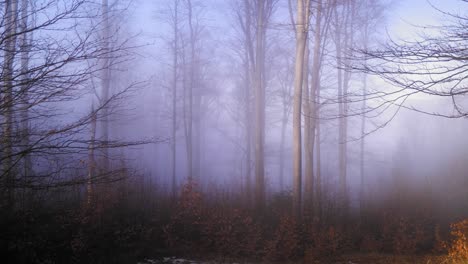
342	193
105	85
259	110
316	65
11	9
308	134
301	37
190	93
362	193
91	162
25	46
174	97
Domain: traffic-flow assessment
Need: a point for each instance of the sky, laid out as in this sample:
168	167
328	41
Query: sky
404	14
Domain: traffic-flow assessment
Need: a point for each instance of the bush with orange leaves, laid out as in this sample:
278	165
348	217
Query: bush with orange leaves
458	249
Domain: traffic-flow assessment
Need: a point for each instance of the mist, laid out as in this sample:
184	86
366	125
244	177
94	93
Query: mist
205	131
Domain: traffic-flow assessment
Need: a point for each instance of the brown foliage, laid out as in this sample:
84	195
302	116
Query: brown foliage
231	232
402	235
458	249
439	246
370	243
325	241
285	243
184	230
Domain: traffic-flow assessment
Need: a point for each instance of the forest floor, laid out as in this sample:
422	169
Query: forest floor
386	259
345	259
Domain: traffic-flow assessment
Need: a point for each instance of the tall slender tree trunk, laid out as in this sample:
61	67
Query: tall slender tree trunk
259	110
318	139
308	134
301	38
190	93
344	28
248	128
197	125
91	161
105	85
342	193
349	39
174	97
284	123
197	101
362	194
11	15
25	47
316	65
250	67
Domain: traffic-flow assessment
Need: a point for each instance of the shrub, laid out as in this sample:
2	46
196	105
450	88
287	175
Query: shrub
184	230
285	244
458	249
231	232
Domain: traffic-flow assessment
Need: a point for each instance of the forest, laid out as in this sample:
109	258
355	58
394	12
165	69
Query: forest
233	131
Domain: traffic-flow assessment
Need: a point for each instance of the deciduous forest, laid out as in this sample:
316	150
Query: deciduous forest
233	131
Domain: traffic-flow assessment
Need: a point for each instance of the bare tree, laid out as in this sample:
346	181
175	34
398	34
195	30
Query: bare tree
175	56
37	93
344	26
7	103
259	107
105	82
433	65
301	39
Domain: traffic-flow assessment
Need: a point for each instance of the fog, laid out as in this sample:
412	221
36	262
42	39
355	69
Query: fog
326	114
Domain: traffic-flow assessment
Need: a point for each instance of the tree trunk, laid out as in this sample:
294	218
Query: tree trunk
105	85
342	195
248	127
91	162
174	97
301	37
362	194
259	110
24	94
11	9
308	134
284	123
318	186
316	65
190	93
250	76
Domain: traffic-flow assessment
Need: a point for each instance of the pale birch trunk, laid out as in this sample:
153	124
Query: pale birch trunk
301	37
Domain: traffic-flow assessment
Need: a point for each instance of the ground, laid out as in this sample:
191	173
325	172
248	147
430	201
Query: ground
347	259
